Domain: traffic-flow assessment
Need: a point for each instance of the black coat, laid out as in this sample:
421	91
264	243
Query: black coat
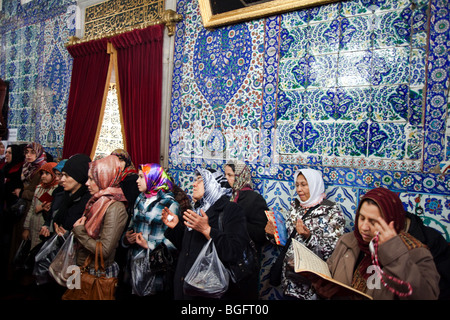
439	248
71	207
254	206
130	191
229	242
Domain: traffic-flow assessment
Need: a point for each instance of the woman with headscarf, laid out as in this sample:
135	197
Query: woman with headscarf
201	224
12	172
146	229
57	195
239	177
105	215
34	160
406	265
40	205
318	222
129	175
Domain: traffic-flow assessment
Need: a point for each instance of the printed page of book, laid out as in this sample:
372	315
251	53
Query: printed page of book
308	263
306	260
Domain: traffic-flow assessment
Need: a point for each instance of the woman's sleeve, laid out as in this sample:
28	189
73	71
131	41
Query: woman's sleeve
327	231
30	212
256	227
231	241
113	225
415	266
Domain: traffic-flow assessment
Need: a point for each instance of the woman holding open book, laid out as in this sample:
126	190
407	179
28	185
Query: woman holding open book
316	222
380	259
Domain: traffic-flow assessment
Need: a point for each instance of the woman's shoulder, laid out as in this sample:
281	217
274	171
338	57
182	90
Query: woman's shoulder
117	205
328	203
166	197
251	195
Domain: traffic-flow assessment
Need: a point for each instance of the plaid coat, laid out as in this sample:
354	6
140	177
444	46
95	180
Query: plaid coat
147	218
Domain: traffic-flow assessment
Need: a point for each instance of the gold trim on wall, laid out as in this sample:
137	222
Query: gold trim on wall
169	18
269	8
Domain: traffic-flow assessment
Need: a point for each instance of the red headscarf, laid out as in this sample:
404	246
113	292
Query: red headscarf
48	167
106	174
391	209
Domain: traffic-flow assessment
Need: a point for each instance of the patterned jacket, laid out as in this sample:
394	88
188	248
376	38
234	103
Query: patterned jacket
326	224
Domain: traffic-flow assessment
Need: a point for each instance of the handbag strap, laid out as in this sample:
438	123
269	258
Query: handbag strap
98	251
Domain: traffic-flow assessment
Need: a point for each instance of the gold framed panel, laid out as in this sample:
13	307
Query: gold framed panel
262	9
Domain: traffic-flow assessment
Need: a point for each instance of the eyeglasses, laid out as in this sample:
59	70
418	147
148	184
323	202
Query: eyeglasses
198	179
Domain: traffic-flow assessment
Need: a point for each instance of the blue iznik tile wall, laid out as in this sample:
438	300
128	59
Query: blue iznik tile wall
357	89
37	65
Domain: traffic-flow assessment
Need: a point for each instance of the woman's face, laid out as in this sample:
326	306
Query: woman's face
199	188
142	185
58	176
231	177
46	177
69	184
302	187
8	155
122	164
367	220
30	155
92	186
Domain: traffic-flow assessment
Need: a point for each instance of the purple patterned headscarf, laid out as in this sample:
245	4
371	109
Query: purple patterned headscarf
155	178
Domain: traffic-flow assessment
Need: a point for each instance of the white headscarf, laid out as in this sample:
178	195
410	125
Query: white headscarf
316	186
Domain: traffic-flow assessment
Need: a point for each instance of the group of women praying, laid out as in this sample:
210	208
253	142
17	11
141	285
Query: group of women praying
135	211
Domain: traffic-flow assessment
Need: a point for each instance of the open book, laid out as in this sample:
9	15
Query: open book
279	222
309	265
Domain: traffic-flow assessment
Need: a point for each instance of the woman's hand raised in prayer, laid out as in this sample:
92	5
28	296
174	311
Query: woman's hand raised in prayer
198	222
169	219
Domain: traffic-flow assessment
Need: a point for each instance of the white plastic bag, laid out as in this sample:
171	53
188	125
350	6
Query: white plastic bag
207	277
66	257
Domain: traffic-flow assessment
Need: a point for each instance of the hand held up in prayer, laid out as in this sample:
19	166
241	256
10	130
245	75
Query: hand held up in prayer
302	229
169	219
198	222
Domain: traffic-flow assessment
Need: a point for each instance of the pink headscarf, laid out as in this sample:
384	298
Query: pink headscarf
30	168
106	173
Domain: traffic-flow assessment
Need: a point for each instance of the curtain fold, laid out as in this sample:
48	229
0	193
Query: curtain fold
139	59
89	73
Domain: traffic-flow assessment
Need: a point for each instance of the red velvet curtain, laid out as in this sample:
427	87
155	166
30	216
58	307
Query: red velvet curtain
139	58
89	72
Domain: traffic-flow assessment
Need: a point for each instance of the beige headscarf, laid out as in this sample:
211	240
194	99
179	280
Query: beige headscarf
243	178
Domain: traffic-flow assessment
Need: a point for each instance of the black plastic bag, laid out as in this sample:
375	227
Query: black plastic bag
152	272
18	209
21	256
45	257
